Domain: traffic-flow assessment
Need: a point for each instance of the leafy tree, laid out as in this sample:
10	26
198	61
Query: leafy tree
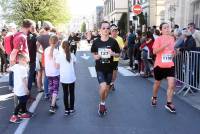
122	24
83	27
54	11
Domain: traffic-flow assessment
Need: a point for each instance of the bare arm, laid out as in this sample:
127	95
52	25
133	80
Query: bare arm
157	50
96	56
13	56
38	47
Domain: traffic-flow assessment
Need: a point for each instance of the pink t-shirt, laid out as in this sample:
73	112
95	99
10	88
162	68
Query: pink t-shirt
164	58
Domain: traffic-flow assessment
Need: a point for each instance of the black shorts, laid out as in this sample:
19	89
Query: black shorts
162	73
104	77
115	65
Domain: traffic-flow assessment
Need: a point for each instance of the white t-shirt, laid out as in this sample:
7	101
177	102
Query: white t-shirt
20	72
50	68
67	73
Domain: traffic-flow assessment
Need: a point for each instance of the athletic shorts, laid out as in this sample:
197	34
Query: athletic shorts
115	65
104	77
162	73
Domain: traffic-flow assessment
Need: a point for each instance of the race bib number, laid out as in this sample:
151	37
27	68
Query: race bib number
73	43
104	53
167	58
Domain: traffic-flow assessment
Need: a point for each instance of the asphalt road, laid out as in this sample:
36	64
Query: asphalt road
129	110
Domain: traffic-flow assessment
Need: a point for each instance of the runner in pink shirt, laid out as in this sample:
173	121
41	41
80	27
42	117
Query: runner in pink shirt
163	48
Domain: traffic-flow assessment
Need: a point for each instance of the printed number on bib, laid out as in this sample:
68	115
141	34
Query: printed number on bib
104	53
73	43
167	58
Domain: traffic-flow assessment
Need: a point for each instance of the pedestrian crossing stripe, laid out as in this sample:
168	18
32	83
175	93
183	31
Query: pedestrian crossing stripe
123	71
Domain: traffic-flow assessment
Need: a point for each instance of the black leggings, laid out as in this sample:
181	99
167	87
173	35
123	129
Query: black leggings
21	105
68	91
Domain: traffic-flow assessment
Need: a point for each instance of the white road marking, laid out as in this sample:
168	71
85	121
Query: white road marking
86	57
92	71
3	87
6	96
1	107
125	72
25	122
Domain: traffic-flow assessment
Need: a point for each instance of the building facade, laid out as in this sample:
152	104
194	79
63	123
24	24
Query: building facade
113	9
182	12
99	15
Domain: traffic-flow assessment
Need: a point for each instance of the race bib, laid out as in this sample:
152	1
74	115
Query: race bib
167	58
104	53
73	43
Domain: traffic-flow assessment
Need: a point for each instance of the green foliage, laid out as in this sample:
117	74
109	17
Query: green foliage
83	27
54	11
122	24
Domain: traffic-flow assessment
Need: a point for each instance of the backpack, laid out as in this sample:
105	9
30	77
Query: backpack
8	43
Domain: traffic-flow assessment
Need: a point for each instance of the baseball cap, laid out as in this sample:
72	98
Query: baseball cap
113	27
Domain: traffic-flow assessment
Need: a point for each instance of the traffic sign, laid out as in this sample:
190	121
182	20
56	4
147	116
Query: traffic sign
137	9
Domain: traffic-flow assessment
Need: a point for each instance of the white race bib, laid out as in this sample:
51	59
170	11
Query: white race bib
73	43
167	58
104	53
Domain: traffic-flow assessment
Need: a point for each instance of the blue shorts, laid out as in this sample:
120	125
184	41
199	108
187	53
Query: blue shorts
104	77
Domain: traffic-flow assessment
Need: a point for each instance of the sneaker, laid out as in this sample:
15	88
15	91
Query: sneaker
52	109
112	87
154	101
67	112
25	115
15	119
72	111
170	107
102	110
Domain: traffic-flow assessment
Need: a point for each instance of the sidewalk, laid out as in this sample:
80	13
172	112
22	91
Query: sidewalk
191	99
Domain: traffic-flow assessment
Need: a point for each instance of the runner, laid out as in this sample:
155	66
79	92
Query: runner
114	34
103	50
164	66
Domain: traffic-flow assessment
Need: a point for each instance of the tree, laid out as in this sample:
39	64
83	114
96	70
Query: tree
83	27
122	24
54	11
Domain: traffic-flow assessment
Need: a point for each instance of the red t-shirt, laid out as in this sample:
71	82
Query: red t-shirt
20	43
164	58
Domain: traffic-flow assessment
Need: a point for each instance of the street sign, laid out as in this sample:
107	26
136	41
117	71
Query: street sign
137	9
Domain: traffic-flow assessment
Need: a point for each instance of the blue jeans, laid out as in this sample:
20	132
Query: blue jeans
46	90
11	79
31	75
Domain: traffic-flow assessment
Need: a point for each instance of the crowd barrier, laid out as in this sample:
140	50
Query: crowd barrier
187	68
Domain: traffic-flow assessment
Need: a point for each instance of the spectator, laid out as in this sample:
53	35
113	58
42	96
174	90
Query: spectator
131	43
2	51
195	33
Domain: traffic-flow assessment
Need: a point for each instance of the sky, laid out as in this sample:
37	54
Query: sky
83	7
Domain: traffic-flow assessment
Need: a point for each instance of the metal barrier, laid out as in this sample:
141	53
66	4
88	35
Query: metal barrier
187	68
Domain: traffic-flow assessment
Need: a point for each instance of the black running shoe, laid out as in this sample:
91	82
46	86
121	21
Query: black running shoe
102	110
67	112
170	107
52	109
154	101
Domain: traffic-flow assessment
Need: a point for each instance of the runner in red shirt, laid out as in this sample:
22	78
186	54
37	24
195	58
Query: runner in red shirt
163	47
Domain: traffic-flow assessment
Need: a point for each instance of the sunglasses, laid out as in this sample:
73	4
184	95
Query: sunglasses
108	28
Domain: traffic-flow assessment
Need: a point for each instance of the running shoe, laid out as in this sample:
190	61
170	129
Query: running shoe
25	115
112	87
72	111
52	109
15	119
102	110
154	101
170	107
67	112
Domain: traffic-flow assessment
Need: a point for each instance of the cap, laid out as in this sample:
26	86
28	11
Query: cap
113	27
